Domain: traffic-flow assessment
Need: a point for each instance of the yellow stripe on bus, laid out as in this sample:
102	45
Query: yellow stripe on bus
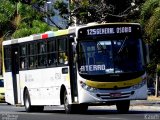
61	32
126	83
3	67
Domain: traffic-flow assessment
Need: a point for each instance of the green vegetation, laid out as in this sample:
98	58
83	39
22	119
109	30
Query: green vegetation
150	19
19	19
86	11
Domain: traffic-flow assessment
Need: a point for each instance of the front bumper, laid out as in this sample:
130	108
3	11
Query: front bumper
104	96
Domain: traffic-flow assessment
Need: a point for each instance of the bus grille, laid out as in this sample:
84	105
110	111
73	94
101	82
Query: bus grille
115	95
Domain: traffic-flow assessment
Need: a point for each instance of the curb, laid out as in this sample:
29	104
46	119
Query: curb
132	108
146	108
153	98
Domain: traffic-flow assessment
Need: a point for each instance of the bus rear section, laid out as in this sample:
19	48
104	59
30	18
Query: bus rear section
10	73
37	70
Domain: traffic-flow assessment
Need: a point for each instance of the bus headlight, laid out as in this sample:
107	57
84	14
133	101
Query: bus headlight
86	87
139	85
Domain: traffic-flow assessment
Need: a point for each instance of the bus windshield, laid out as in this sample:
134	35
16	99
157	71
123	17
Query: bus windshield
109	56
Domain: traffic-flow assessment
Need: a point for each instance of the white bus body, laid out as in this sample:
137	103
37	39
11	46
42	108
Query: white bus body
74	83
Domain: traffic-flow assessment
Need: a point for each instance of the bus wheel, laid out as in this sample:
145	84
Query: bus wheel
27	102
123	106
28	106
37	108
68	107
82	108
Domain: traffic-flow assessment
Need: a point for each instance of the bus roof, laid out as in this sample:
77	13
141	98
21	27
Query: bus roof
48	34
98	24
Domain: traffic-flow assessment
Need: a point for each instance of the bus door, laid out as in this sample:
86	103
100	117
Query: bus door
73	71
15	72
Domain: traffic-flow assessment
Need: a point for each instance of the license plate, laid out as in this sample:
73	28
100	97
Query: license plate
115	94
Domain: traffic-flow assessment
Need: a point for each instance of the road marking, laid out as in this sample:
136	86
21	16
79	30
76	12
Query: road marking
106	118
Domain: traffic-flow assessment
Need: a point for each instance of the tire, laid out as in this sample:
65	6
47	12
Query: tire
123	106
8	103
73	108
28	106
38	108
27	102
69	108
82	108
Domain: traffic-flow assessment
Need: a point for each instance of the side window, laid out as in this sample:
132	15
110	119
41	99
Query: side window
32	58
62	51
7	58
52	54
42	53
23	56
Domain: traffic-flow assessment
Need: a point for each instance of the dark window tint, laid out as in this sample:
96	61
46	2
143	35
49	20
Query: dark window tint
32	58
23	56
42	53
62	51
32	48
7	58
1	83
52	46
52	53
23	50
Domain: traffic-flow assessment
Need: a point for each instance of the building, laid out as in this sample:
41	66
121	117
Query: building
57	18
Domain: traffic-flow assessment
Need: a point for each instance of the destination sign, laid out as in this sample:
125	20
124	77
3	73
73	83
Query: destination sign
107	31
92	68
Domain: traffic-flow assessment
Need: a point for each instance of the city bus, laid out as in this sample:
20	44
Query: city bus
88	65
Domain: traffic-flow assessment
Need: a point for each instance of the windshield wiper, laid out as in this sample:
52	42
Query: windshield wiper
122	46
102	49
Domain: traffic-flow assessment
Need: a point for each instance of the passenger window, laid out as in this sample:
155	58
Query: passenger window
42	47
32	62
52	46
23	62
42	53
7	52
7	58
23	50
63	58
52	59
32	55
62	45
62	51
23	57
52	54
32	48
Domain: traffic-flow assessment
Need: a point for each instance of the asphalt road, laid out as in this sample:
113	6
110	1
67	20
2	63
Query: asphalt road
8	112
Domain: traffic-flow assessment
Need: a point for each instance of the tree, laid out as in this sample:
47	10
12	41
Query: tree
21	18
85	11
150	19
7	26
31	21
18	19
7	11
